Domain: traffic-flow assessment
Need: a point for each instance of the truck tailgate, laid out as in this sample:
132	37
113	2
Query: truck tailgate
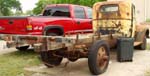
13	25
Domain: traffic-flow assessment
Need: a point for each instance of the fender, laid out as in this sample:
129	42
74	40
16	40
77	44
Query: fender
50	27
139	35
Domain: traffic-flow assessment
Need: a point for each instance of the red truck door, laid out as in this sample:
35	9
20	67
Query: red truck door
83	23
60	15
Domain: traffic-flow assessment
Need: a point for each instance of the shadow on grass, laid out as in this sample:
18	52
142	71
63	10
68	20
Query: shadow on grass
22	54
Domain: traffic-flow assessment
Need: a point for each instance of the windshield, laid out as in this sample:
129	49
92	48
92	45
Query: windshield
109	8
62	11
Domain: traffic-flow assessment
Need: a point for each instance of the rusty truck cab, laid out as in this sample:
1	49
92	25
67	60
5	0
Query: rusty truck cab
114	18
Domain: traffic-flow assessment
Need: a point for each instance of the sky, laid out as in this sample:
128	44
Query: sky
28	4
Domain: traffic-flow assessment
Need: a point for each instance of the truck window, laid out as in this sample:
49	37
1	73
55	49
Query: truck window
57	11
109	8
79	12
89	13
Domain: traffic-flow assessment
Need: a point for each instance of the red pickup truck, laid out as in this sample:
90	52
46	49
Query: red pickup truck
57	19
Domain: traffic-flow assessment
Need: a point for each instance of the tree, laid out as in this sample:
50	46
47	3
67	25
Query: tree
42	3
29	12
6	7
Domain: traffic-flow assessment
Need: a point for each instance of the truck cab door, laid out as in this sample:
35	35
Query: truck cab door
82	23
133	20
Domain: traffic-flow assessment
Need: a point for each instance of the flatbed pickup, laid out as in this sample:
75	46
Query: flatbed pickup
54	42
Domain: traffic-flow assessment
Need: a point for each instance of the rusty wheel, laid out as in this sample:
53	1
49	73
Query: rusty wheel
49	59
102	58
98	57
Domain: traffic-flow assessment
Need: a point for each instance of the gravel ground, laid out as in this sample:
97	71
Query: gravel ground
140	64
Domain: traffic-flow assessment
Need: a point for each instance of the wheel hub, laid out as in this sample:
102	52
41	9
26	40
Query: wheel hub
102	58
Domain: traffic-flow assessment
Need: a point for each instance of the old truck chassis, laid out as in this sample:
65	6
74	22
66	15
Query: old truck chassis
94	46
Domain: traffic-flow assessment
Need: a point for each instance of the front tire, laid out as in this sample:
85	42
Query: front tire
98	58
143	45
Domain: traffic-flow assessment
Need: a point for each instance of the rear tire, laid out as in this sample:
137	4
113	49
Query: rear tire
49	59
22	48
98	58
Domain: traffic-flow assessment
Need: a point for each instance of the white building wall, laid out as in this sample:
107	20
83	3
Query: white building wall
140	7
148	9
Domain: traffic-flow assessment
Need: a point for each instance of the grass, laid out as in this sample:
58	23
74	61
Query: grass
147	20
12	64
148	46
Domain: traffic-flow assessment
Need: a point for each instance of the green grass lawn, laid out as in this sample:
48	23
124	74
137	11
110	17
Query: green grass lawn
13	64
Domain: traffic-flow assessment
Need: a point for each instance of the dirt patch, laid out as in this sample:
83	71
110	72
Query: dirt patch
140	65
4	49
141	62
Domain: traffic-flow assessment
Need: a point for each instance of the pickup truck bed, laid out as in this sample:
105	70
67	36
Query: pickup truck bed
13	25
